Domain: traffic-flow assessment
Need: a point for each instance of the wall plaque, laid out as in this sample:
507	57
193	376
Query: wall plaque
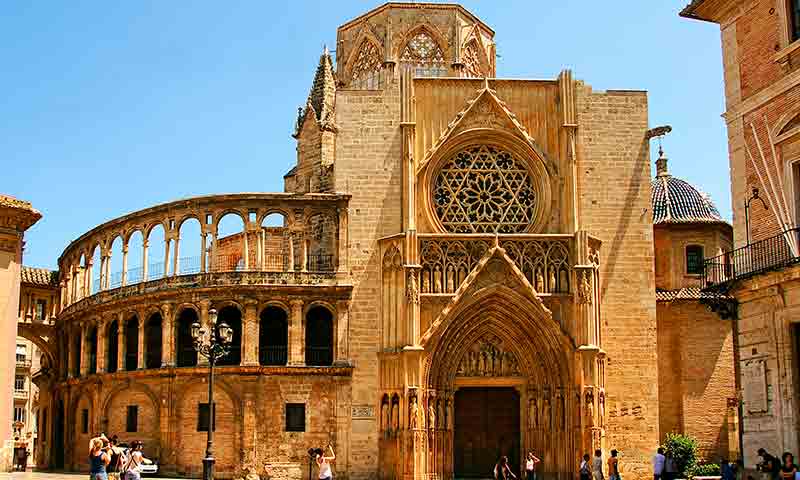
362	411
754	385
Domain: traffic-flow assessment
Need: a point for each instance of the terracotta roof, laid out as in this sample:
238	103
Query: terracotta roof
688	293
677	201
39	276
688	10
18	213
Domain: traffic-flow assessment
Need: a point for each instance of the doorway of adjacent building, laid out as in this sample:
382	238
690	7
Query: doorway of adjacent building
486	428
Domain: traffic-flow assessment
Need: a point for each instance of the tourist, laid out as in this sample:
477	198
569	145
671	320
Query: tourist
597	465
118	459
502	471
586	468
788	468
530	465
768	466
613	466
728	470
98	459
324	463
132	469
659	461
670	467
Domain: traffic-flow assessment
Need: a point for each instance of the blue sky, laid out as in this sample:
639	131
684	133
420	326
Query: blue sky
110	107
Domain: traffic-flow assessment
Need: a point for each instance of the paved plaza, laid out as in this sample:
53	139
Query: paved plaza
31	475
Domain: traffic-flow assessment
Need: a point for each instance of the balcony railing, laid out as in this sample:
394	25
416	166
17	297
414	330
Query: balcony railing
273	355
759	257
20	393
23	364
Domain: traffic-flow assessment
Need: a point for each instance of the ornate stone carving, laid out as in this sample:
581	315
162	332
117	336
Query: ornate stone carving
432	414
454	259
414	415
366	70
485	189
584	288
424	56
487	359
412	288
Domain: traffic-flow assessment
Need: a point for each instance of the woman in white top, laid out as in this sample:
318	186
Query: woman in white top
530	466
132	470
324	464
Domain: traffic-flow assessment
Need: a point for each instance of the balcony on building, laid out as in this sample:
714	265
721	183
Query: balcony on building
757	258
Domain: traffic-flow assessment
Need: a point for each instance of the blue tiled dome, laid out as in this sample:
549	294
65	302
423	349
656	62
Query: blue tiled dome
677	201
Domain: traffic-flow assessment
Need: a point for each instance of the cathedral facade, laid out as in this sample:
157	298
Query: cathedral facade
464	267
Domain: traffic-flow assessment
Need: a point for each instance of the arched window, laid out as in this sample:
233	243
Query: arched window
273	337
694	260
233	317
112	350
472	62
152	334
423	57
131	344
319	336
366	72
184	346
93	350
76	368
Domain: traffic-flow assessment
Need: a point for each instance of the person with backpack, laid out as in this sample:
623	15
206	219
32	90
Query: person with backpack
118	459
586	468
132	469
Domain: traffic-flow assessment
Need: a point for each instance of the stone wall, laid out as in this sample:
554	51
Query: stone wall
614	205
368	166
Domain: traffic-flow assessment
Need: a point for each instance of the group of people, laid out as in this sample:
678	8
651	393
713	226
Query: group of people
593	468
772	468
108	460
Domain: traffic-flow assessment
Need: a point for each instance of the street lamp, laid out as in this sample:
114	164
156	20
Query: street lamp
213	344
754	196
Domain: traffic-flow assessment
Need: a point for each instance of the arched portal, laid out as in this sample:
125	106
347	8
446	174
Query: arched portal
112	349
498	379
184	343
153	339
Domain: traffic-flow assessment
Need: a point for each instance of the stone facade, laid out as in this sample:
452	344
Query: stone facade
762	84
449	240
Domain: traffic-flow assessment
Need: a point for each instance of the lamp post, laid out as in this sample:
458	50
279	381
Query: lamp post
754	196
212	343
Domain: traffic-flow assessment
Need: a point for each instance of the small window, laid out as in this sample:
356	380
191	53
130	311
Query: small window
85	421
694	260
203	416
295	417
22	353
19	414
132	419
19	382
41	308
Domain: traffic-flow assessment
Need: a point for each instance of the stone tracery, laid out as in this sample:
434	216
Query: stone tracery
366	71
484	189
424	56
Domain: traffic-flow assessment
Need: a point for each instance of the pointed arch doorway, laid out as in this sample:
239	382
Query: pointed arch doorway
486	427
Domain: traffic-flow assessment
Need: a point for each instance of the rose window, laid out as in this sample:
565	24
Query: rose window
484	189
424	57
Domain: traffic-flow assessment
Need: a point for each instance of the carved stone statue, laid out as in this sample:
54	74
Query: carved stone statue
547	418
386	417
539	281
451	279
585	289
448	415
412	289
552	281
395	416
414	413
564	281
432	414
426	282
533	413
437	280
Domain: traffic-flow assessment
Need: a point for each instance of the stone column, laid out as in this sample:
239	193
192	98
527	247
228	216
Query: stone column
260	249
120	342
84	359
213	257
71	357
342	241
167	332
203	253
250	333
166	254
124	264
140	347
245	248
291	252
145	244
304	255
101	347
342	331
296	334
176	264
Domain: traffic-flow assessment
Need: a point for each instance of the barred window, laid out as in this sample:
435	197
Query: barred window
694	260
295	417
132	419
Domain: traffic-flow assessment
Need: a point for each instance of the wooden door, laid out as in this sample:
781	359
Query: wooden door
486	428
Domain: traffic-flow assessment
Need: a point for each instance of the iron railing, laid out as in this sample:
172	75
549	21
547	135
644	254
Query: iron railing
320	262
319	356
273	355
764	255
